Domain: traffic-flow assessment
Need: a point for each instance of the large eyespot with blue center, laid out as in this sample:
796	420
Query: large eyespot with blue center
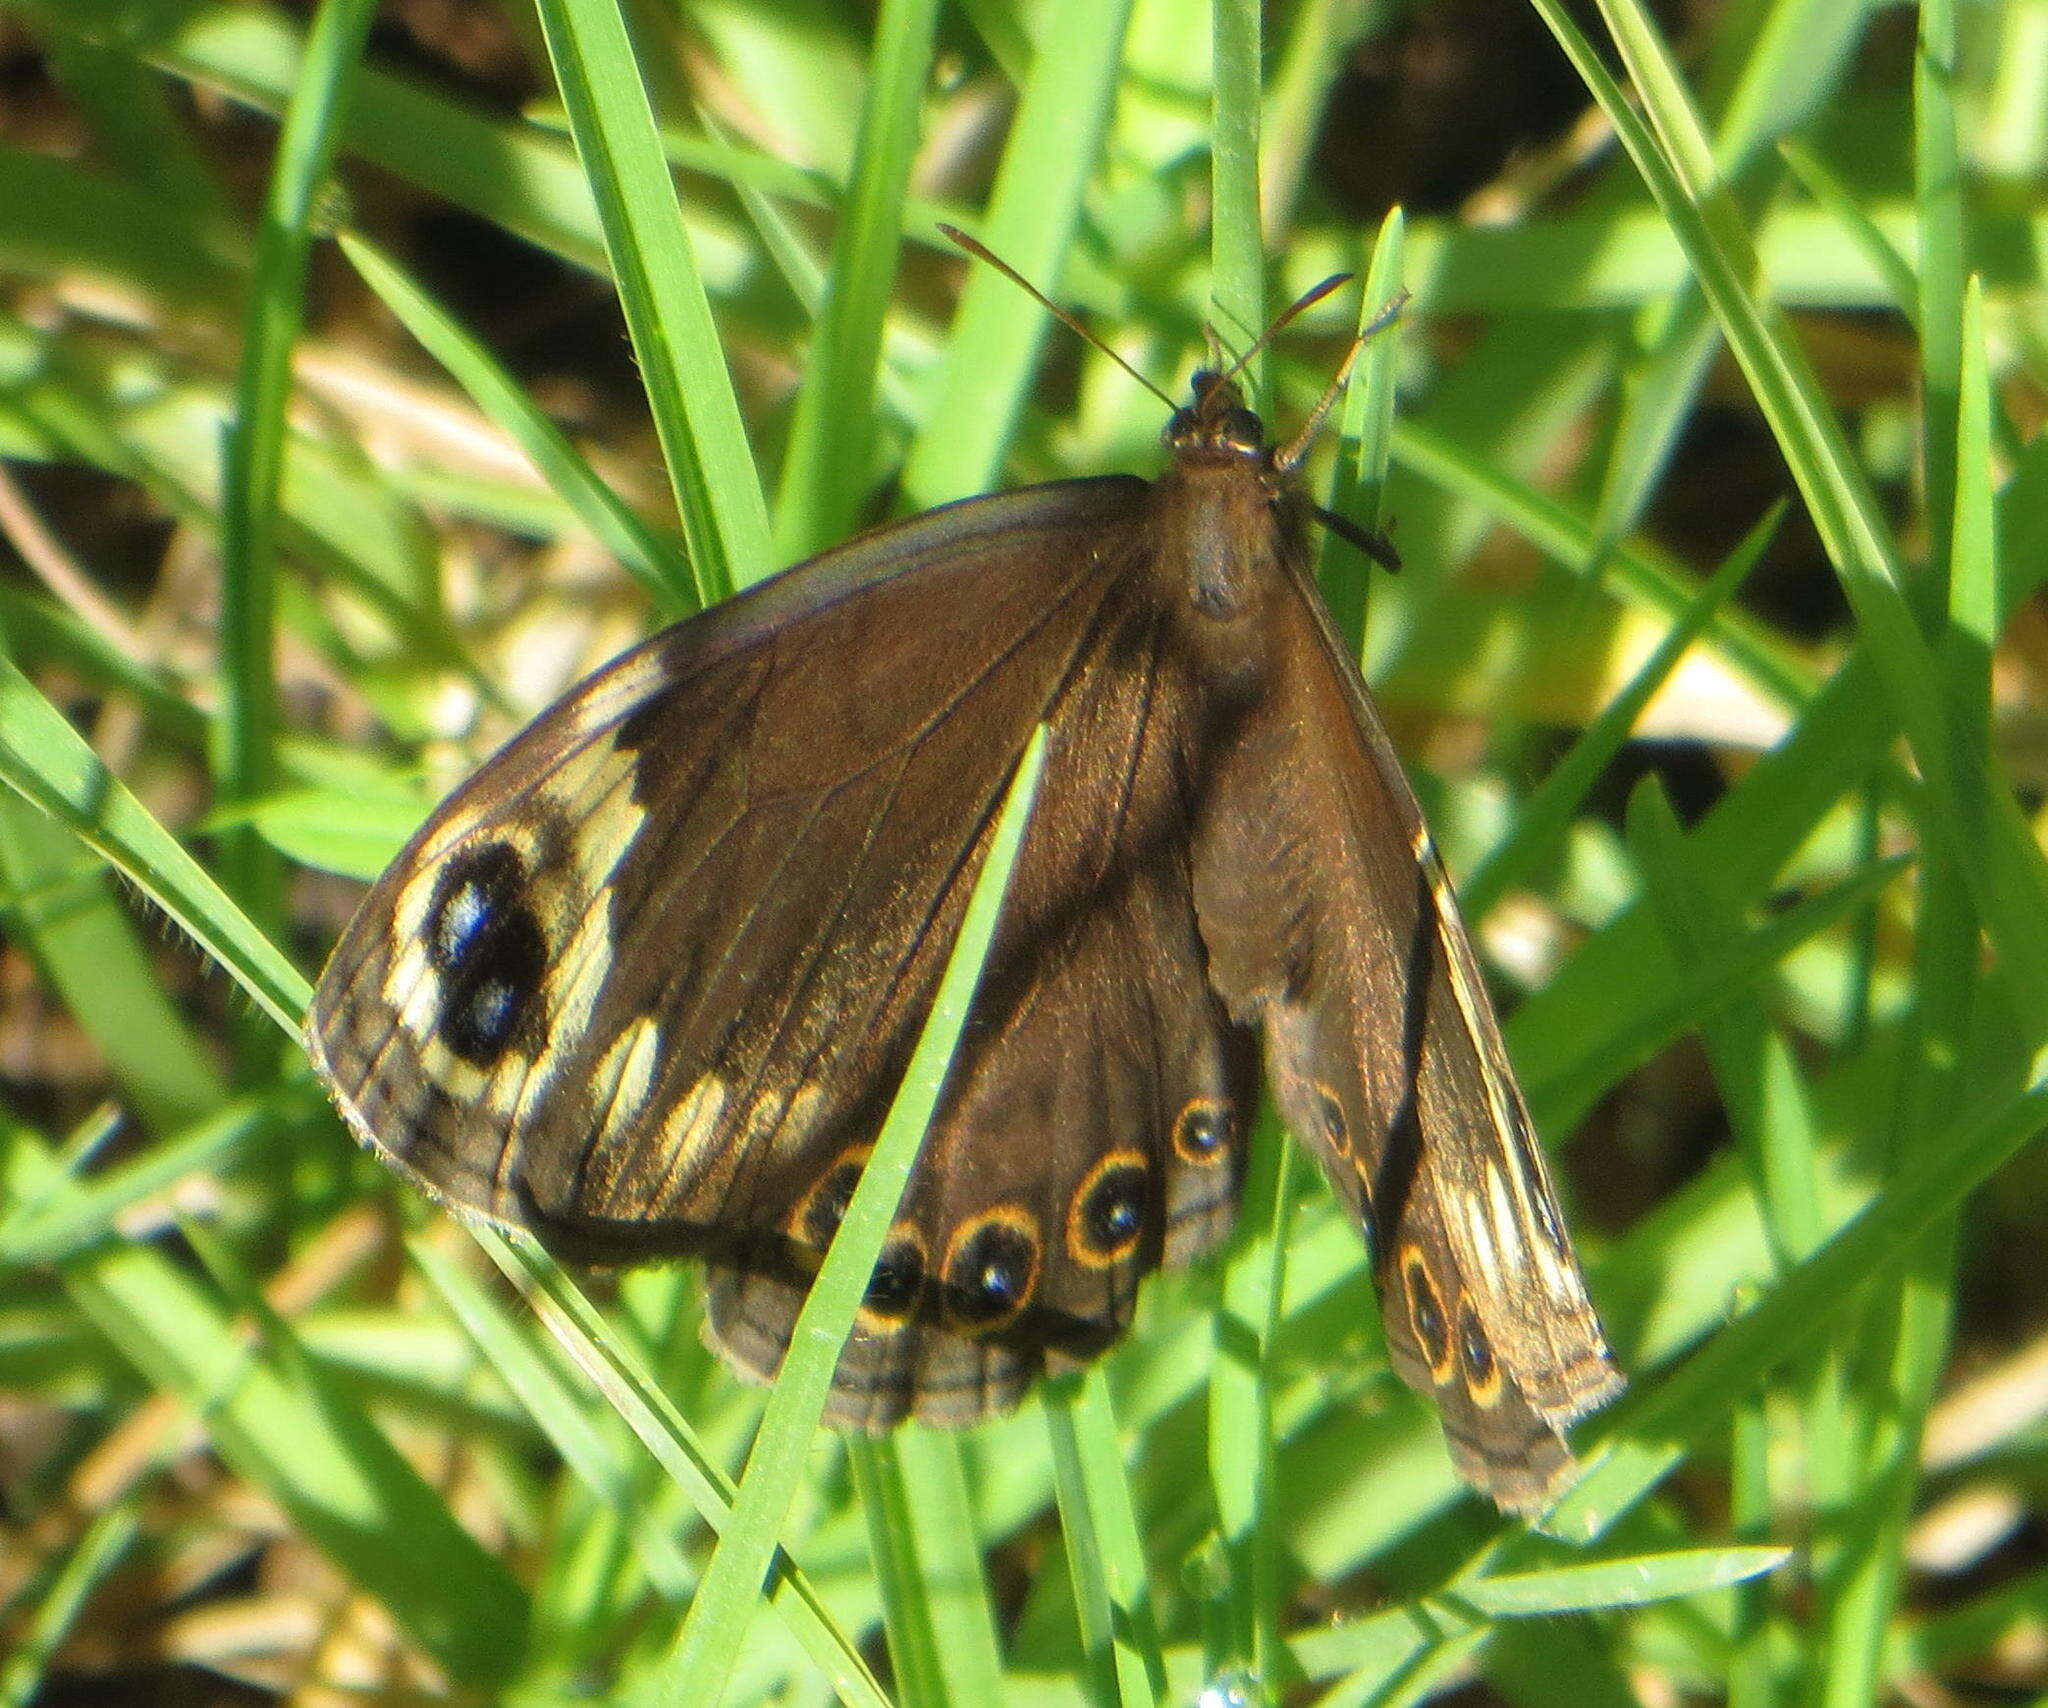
991	1269
1475	1353
1205	1132
1426	1315
487	950
1107	1216
820	1211
897	1284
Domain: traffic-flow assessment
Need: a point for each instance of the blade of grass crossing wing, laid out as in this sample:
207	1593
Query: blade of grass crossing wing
1240	1409
701	1663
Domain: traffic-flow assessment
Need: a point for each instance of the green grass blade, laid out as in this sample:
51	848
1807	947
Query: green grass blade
63	910
2007	876
1237	234
943	1648
245	757
1105	1553
1632	1582
44	759
980	386
90	1209
1358	484
342	1483
828	469
1546	817
1651	1430
682	364
638	547
639	1398
98	1551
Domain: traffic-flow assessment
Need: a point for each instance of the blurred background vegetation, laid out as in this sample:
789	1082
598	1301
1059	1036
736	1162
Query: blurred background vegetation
1717	657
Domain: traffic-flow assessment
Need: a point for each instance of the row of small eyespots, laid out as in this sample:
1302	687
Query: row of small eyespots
992	1260
1433	1333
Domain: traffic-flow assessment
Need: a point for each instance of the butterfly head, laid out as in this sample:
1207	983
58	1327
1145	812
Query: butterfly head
1217	424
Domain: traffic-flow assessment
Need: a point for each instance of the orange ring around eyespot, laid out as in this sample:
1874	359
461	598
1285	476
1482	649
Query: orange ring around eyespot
1227	1120
798	1225
1418	1289
1486	1390
1078	1246
1022	1223
877	1322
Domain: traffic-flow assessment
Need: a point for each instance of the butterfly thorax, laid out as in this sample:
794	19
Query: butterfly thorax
1227	511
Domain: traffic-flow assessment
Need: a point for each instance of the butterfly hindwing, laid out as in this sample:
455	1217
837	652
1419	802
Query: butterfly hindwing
646	983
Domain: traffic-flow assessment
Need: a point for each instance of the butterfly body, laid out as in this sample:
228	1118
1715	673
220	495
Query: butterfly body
645	985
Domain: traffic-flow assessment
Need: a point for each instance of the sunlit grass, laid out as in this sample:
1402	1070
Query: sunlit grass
211	1303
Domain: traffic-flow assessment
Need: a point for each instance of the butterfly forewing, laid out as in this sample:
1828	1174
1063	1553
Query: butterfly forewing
646	984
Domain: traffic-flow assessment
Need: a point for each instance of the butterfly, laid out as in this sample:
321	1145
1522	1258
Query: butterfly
645	985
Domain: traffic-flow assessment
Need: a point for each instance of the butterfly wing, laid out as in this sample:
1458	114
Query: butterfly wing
646	984
1327	916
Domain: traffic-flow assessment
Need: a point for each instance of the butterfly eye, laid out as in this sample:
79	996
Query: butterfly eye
991	1269
898	1279
1242	430
1203	1133
487	946
1426	1314
1109	1210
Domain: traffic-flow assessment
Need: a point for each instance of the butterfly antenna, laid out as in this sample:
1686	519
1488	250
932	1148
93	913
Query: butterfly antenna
1288	316
981	252
1290	454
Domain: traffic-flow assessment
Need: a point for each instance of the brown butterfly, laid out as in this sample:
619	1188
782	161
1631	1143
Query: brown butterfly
646	984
